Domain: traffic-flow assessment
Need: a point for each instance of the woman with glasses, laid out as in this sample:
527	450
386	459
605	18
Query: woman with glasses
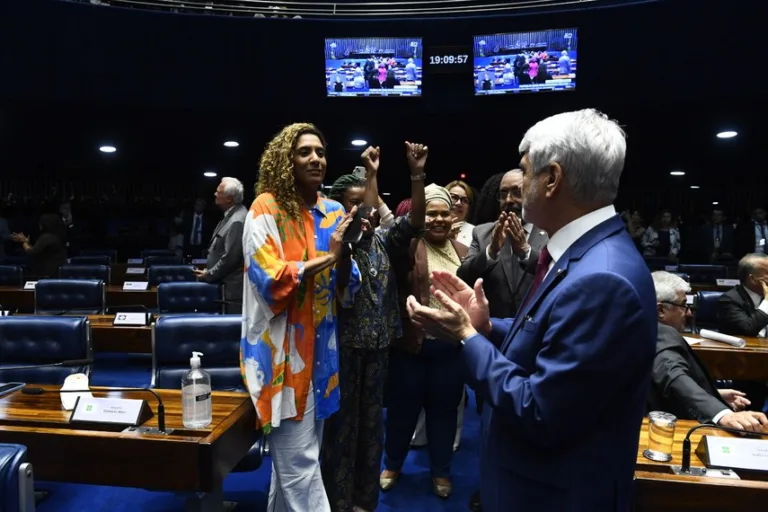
461	195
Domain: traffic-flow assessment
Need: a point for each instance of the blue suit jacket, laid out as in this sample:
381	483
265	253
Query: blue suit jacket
569	386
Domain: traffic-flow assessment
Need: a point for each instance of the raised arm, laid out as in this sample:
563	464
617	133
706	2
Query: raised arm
417	159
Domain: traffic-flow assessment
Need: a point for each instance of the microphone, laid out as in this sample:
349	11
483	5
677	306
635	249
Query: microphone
160	405
65	364
685	468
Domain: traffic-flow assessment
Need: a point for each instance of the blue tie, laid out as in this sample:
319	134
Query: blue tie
196	231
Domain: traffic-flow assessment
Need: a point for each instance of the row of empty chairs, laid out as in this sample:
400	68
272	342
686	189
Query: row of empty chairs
699	274
109	256
13	275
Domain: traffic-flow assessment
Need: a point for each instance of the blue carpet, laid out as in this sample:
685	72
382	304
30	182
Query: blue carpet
249	490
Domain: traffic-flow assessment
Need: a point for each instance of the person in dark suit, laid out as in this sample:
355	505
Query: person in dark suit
681	384
198	229
743	310
716	240
225	262
504	253
570	381
49	251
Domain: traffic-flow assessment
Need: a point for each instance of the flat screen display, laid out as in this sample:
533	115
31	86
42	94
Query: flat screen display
524	62
373	66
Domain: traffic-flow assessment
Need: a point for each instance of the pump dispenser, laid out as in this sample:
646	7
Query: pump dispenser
197	411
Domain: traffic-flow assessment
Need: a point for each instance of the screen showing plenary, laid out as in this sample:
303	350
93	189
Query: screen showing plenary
373	66
523	62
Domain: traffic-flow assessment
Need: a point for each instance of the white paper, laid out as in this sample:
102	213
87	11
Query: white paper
727	282
691	341
723	338
30	285
135	285
135	261
77	381
134	270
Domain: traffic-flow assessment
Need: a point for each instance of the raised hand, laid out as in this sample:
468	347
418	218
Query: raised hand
336	244
516	234
417	157
473	301
370	159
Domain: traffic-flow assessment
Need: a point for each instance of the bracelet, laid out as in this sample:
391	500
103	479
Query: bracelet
418	177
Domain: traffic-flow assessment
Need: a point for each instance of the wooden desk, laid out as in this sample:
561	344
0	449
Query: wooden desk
183	461
726	362
109	338
13	297
658	489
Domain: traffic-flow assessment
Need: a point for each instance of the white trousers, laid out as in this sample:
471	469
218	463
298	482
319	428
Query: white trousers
297	485
420	434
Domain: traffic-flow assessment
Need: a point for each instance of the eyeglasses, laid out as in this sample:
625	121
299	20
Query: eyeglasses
458	199
504	194
686	307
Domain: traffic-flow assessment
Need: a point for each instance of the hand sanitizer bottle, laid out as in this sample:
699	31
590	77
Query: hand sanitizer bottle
196	395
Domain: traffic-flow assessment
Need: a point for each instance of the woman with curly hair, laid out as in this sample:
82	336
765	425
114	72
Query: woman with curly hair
295	269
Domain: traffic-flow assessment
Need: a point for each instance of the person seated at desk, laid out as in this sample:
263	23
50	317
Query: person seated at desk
743	310
681	384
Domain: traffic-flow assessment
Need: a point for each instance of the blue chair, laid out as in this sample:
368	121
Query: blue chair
32	340
17	483
188	297
90	260
706	310
158	274
101	272
704	273
11	275
218	338
146	253
69	296
110	253
151	261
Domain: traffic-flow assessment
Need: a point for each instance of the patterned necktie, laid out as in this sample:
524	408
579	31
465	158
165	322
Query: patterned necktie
542	267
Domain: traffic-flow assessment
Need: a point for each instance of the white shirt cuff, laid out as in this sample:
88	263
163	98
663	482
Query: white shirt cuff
763	306
719	416
488	254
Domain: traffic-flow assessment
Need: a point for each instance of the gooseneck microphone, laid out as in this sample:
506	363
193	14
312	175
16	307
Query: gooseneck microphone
686	465
64	364
160	406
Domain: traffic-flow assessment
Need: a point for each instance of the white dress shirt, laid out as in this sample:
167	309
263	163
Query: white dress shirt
571	232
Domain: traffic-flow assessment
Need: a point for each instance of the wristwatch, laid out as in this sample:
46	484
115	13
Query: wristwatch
419	177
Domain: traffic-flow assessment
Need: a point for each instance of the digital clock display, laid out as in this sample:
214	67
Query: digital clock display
448	59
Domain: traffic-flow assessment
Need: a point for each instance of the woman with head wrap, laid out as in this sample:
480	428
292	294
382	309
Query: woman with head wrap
296	267
50	251
424	372
351	456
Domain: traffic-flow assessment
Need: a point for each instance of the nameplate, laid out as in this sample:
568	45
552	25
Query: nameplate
689	299
727	282
135	261
121	412
30	285
670	268
135	285
733	453
131	319
135	270
5	312
199	261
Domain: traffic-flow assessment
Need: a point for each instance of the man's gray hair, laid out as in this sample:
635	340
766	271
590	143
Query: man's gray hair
747	265
668	286
589	147
233	187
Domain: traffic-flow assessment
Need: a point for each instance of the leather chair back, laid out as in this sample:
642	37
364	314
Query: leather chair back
170	274
146	253
11	275
90	260
110	253
217	337
704	274
151	261
20	261
32	340
100	272
17	485
706	309
188	297
69	296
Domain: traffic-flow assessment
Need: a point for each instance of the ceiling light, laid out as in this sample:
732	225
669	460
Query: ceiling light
715	202
107	149
694	186
727	134
231	144
209	174
386	194
677	173
359	142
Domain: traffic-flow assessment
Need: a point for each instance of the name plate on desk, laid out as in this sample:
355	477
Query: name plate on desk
30	285
733	453
5	312
116	412
199	261
135	285
135	261
131	319
135	270
727	282
670	268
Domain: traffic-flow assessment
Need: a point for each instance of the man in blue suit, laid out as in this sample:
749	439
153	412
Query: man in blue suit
568	386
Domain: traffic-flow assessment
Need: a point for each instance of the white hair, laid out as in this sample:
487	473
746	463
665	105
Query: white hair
233	187
668	286
589	147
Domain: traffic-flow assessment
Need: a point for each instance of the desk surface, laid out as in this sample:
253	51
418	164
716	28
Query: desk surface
726	362
185	460
658	489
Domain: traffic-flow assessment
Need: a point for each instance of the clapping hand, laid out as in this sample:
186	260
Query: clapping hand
20	238
497	235
514	230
